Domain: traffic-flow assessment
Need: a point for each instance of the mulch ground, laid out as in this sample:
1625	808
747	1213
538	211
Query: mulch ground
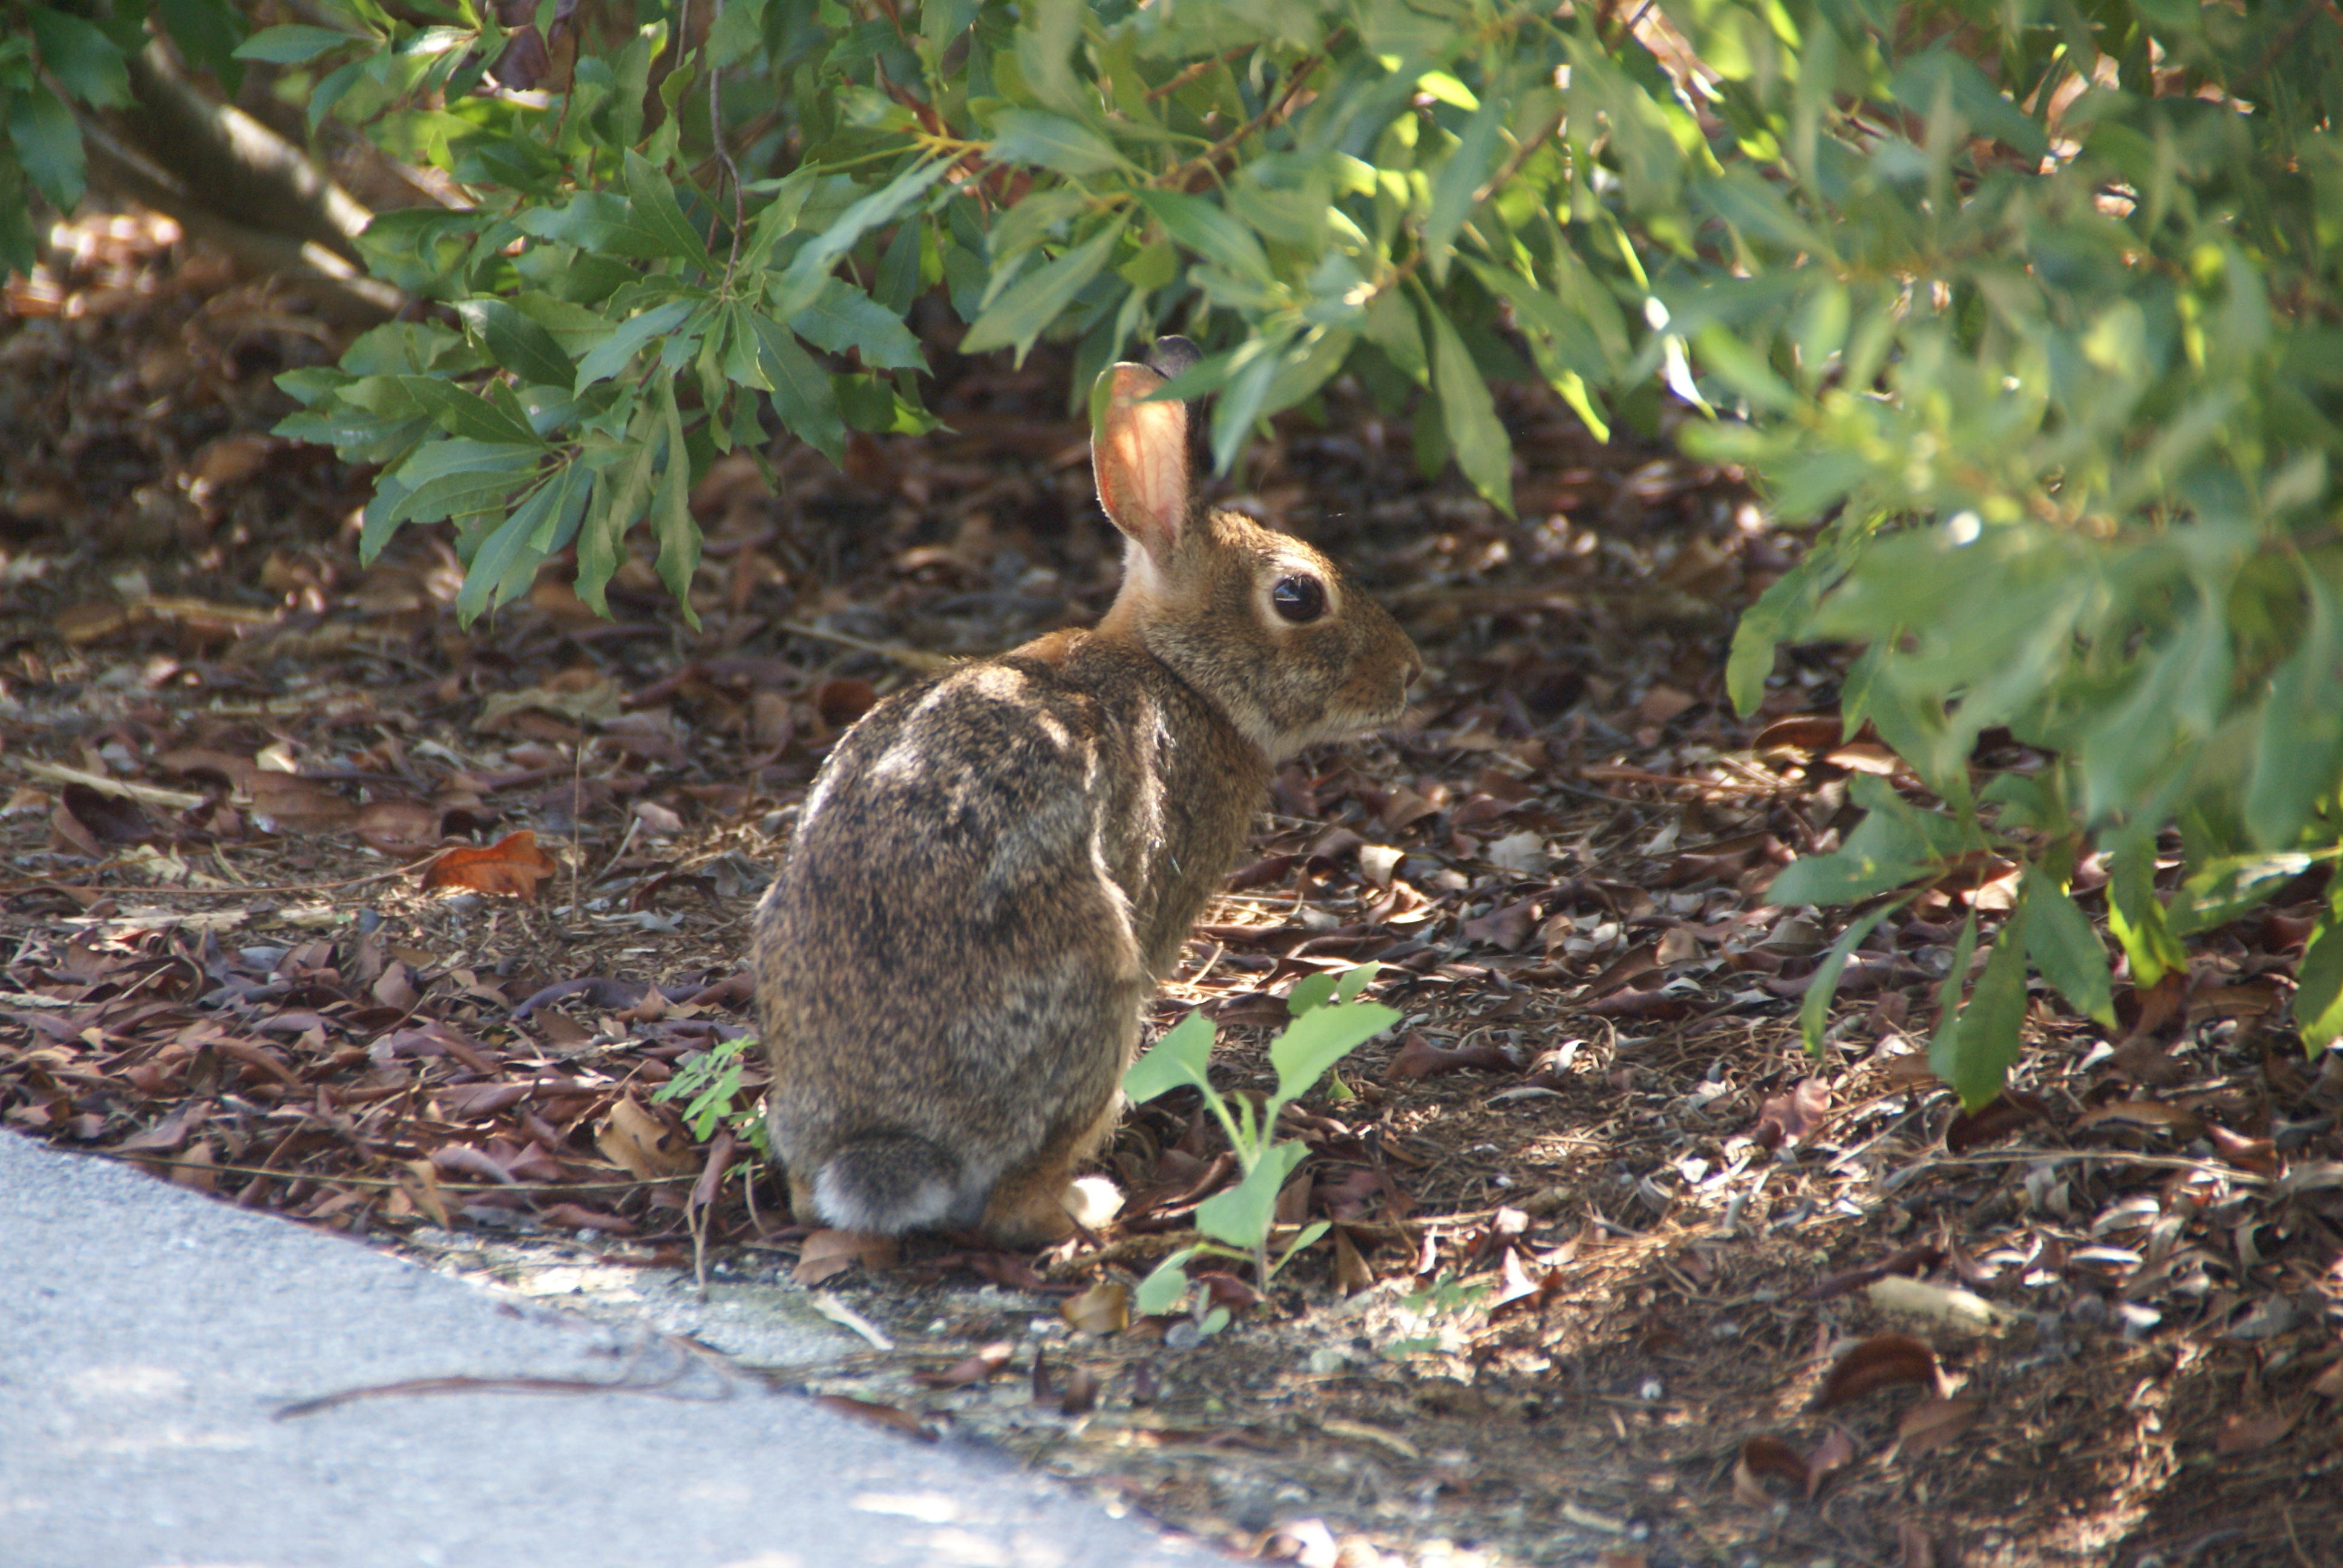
324	904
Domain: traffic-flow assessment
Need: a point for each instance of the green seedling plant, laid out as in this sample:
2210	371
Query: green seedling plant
707	1087
1328	1024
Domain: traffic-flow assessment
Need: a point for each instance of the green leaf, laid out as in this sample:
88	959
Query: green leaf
672	520
2136	917
845	317
653	199
2298	758
84	61
1166	1286
603	223
1814	1012
1483	449
1051	141
1032	304
801	283
2230	886
802	395
1355	980
1175	1061
1948	994
2318	984
517	343
1975	1057
611	355
1211	233
48	143
1460	181
1309	991
292	44
462	413
2065	949
1779	611
1318	1039
1241	1215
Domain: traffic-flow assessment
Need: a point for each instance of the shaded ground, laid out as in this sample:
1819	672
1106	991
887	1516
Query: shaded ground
1608	1236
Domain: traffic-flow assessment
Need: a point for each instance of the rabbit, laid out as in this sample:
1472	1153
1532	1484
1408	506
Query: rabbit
995	867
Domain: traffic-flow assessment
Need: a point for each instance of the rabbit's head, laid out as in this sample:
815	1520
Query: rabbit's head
1256	621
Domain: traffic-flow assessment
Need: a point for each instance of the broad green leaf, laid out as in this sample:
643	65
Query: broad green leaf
1777	616
1241	1215
604	223
2230	886
2137	917
1165	1287
48	143
1975	1057
1483	451
1461	180
2298	758
1051	141
1318	1039
507	561
2065	949
845	317
465	413
1308	992
1204	228
652	200
519	344
2318	984
611	355
672	521
85	62
1035	301
1814	1012
293	44
1948	993
801	283
1355	980
802	395
620	493
1175	1061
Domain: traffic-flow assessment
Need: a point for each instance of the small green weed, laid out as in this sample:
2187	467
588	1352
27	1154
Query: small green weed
708	1084
1329	1023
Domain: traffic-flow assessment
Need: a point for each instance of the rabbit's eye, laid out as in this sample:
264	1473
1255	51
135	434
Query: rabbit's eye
1299	600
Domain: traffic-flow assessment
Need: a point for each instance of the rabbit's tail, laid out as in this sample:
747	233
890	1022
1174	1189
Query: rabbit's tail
887	1183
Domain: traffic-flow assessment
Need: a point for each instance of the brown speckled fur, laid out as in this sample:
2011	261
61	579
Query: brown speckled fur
996	866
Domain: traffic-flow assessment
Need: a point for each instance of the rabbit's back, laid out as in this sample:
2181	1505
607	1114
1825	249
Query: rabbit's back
986	881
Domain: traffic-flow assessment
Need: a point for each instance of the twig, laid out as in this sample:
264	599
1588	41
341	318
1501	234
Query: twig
431	1385
908	657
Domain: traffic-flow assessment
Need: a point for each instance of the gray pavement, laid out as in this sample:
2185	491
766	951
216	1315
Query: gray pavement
148	1336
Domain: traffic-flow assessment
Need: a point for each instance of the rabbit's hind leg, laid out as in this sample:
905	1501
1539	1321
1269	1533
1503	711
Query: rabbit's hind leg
1038	1202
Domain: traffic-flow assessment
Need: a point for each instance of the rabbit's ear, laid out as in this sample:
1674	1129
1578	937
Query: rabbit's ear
1139	452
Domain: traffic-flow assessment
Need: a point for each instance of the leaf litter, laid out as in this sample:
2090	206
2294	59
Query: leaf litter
328	906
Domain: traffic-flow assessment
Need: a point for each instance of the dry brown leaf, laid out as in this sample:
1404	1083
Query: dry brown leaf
976	1369
1351	1274
1833	1453
1419	1058
2003	1114
2150	1113
887	1415
1764	1456
513	864
2249	1432
1914	1548
2330	1382
1786	1120
421	1184
1883	1361
289	803
400	828
1934	1422
1103	1309
828	1252
637	1141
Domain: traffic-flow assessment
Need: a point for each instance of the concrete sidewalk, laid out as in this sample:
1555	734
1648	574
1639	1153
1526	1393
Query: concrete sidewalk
148	1335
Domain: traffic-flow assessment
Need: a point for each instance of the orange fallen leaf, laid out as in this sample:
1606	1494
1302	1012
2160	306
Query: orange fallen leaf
977	1369
513	864
1883	1361
828	1252
1764	1456
640	1144
1103	1309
